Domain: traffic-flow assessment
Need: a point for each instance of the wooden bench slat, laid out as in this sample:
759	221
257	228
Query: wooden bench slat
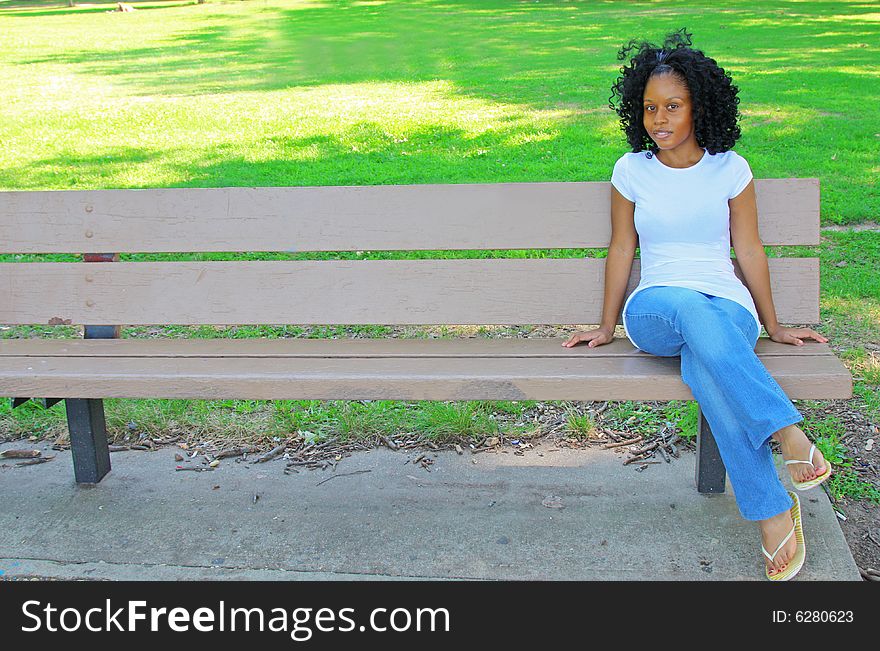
540	378
352	218
353	348
471	291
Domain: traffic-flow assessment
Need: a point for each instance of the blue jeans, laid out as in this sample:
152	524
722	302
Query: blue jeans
740	401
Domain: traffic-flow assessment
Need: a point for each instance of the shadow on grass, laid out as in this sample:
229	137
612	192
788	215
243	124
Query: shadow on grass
28	8
363	153
73	170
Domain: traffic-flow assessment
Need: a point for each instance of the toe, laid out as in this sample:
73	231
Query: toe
806	474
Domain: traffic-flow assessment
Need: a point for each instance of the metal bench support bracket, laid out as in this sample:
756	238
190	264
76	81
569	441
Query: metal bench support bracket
88	439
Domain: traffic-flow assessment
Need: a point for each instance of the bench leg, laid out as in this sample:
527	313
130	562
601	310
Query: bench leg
710	468
85	416
88	439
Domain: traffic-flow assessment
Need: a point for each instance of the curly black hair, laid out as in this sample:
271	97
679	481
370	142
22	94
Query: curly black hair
713	94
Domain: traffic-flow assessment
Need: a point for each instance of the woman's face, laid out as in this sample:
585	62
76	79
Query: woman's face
667	113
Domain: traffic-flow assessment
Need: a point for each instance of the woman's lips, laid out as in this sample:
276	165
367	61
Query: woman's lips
662	134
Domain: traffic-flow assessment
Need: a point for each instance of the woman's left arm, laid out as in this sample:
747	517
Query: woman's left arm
753	262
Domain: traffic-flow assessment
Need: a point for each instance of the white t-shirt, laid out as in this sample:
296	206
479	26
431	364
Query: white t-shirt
683	221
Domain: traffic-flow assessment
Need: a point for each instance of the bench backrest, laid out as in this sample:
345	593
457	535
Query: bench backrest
563	215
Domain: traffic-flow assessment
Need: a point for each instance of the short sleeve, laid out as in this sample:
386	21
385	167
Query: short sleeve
620	179
741	175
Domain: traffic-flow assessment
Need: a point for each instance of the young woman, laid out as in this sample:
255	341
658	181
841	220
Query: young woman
683	196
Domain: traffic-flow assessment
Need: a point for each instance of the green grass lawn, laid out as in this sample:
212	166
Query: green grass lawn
299	92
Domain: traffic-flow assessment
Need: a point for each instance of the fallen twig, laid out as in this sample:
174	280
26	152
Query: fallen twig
664	453
19	454
324	444
234	452
34	462
637	457
870	574
271	454
620	444
305	462
342	474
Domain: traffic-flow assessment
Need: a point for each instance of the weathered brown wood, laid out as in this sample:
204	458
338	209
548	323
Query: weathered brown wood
788	204
472	291
101	332
350	348
411	378
351	218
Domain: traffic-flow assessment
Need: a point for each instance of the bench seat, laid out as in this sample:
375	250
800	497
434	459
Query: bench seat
115	286
381	369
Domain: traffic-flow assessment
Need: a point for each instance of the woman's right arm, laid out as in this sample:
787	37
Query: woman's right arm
618	267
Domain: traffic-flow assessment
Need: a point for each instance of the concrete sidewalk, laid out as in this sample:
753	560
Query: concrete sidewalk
483	516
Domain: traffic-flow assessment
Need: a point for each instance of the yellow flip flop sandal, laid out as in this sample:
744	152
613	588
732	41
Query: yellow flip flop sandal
797	562
806	485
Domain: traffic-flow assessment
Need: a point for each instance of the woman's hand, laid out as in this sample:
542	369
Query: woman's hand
795	336
596	337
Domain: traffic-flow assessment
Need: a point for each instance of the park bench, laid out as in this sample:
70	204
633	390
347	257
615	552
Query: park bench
102	293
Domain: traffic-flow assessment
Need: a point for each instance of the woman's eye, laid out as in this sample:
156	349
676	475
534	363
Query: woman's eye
672	107
649	108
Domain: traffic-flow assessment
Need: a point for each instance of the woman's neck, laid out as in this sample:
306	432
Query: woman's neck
681	159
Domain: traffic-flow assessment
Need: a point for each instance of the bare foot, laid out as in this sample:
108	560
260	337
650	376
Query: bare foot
796	446
773	531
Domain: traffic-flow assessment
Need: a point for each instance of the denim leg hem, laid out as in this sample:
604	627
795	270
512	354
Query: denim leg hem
767	512
785	422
